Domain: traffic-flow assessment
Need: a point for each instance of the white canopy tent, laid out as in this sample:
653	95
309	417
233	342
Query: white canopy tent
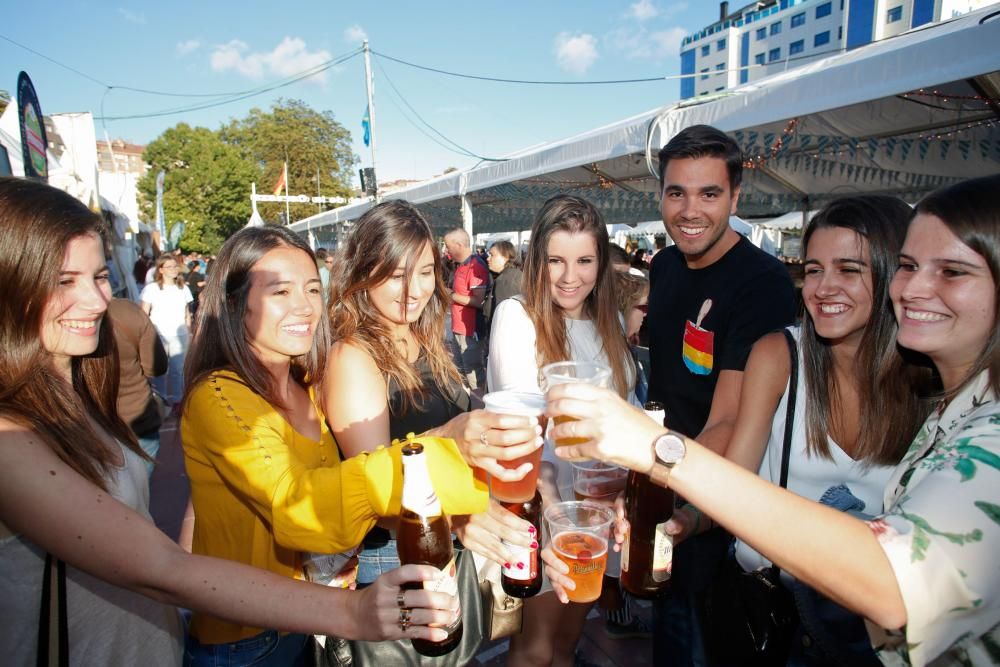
901	116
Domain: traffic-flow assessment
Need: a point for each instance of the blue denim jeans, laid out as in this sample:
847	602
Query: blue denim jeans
150	444
375	561
268	649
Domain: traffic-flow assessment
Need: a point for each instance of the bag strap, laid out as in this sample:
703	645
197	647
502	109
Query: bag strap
793	385
786	446
53	650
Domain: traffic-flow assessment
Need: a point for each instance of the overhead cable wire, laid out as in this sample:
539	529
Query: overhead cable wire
259	91
460	149
55	62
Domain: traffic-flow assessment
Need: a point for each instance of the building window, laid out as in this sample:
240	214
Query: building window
705	50
720	88
774	54
720	45
776	27
720	66
759	59
821	38
824	10
796	47
798	19
840	33
703	75
894	14
761	33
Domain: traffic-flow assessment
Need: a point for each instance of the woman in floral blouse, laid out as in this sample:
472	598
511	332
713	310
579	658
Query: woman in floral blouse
926	572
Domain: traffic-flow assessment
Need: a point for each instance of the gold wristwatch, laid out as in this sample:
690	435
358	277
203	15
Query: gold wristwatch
668	450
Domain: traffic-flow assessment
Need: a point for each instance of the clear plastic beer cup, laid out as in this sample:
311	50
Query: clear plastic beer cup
528	405
598	481
574	371
578	534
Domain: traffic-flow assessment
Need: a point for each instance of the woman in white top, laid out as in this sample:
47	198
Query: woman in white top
858	402
166	300
73	485
924	571
568	311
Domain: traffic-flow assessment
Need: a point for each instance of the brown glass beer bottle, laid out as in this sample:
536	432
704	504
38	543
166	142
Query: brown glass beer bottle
648	550
523	579
424	538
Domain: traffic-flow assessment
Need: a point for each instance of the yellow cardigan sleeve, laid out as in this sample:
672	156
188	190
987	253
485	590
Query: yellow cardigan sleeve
324	508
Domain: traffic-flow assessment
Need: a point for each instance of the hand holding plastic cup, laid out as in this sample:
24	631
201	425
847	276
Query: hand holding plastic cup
562	372
527	405
579	537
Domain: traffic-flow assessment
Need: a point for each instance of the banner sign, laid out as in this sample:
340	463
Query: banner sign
33	140
300	199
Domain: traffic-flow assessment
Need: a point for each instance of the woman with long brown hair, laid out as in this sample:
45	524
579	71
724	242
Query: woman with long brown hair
267	482
391	374
73	485
568	311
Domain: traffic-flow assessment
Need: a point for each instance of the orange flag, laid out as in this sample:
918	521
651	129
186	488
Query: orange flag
282	181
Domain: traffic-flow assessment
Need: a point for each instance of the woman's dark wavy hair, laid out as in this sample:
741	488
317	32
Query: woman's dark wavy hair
889	385
390	234
971	210
574	215
221	341
37	223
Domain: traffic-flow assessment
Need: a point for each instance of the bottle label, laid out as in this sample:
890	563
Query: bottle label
625	546
446	581
663	553
418	492
524	556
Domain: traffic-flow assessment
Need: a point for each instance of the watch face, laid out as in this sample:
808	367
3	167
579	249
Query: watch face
670	449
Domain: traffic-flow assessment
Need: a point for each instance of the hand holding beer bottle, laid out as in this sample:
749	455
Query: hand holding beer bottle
423	537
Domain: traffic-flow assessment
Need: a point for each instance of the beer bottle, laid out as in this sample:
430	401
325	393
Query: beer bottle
424	537
523	579
648	550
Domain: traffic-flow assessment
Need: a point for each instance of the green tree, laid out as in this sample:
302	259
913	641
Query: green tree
316	147
207	185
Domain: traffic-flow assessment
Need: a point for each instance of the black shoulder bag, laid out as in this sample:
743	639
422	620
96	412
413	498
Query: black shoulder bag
53	647
750	616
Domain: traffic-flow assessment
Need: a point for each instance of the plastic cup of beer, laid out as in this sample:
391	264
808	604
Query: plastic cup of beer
528	405
561	372
578	534
599	481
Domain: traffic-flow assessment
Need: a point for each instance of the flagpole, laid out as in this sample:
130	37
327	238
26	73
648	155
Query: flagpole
288	215
370	86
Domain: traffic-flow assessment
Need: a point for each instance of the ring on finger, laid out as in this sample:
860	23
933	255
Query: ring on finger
404	618
482	438
399	598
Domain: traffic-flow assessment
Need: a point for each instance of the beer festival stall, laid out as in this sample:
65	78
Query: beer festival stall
900	116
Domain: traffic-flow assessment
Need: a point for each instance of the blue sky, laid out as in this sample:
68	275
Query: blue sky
214	46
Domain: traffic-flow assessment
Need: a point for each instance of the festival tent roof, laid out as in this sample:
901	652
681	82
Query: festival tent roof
900	116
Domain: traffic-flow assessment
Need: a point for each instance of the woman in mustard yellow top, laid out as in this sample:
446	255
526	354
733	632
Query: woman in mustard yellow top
266	479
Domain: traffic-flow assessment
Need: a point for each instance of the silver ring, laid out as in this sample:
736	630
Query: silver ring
399	599
482	438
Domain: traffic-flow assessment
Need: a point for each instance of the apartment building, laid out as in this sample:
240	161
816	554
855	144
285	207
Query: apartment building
770	36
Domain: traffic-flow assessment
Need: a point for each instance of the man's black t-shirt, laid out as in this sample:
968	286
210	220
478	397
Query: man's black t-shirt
702	321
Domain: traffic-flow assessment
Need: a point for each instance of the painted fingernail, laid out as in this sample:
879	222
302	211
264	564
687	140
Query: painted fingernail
534	545
507	565
520	566
531	530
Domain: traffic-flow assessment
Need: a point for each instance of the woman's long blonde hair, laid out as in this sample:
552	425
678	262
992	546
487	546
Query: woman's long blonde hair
388	234
574	215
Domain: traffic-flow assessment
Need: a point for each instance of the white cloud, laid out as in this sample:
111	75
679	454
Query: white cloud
643	44
575	53
289	57
355	34
132	17
188	46
643	10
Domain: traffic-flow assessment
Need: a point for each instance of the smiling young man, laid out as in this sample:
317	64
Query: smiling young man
712	295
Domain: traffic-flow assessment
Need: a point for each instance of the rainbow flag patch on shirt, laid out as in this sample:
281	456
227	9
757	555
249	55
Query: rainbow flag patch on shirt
697	350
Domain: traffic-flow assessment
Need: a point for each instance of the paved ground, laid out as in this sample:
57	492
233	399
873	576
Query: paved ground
169	491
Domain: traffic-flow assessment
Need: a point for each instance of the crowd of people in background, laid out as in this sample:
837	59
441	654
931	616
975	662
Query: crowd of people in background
295	376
